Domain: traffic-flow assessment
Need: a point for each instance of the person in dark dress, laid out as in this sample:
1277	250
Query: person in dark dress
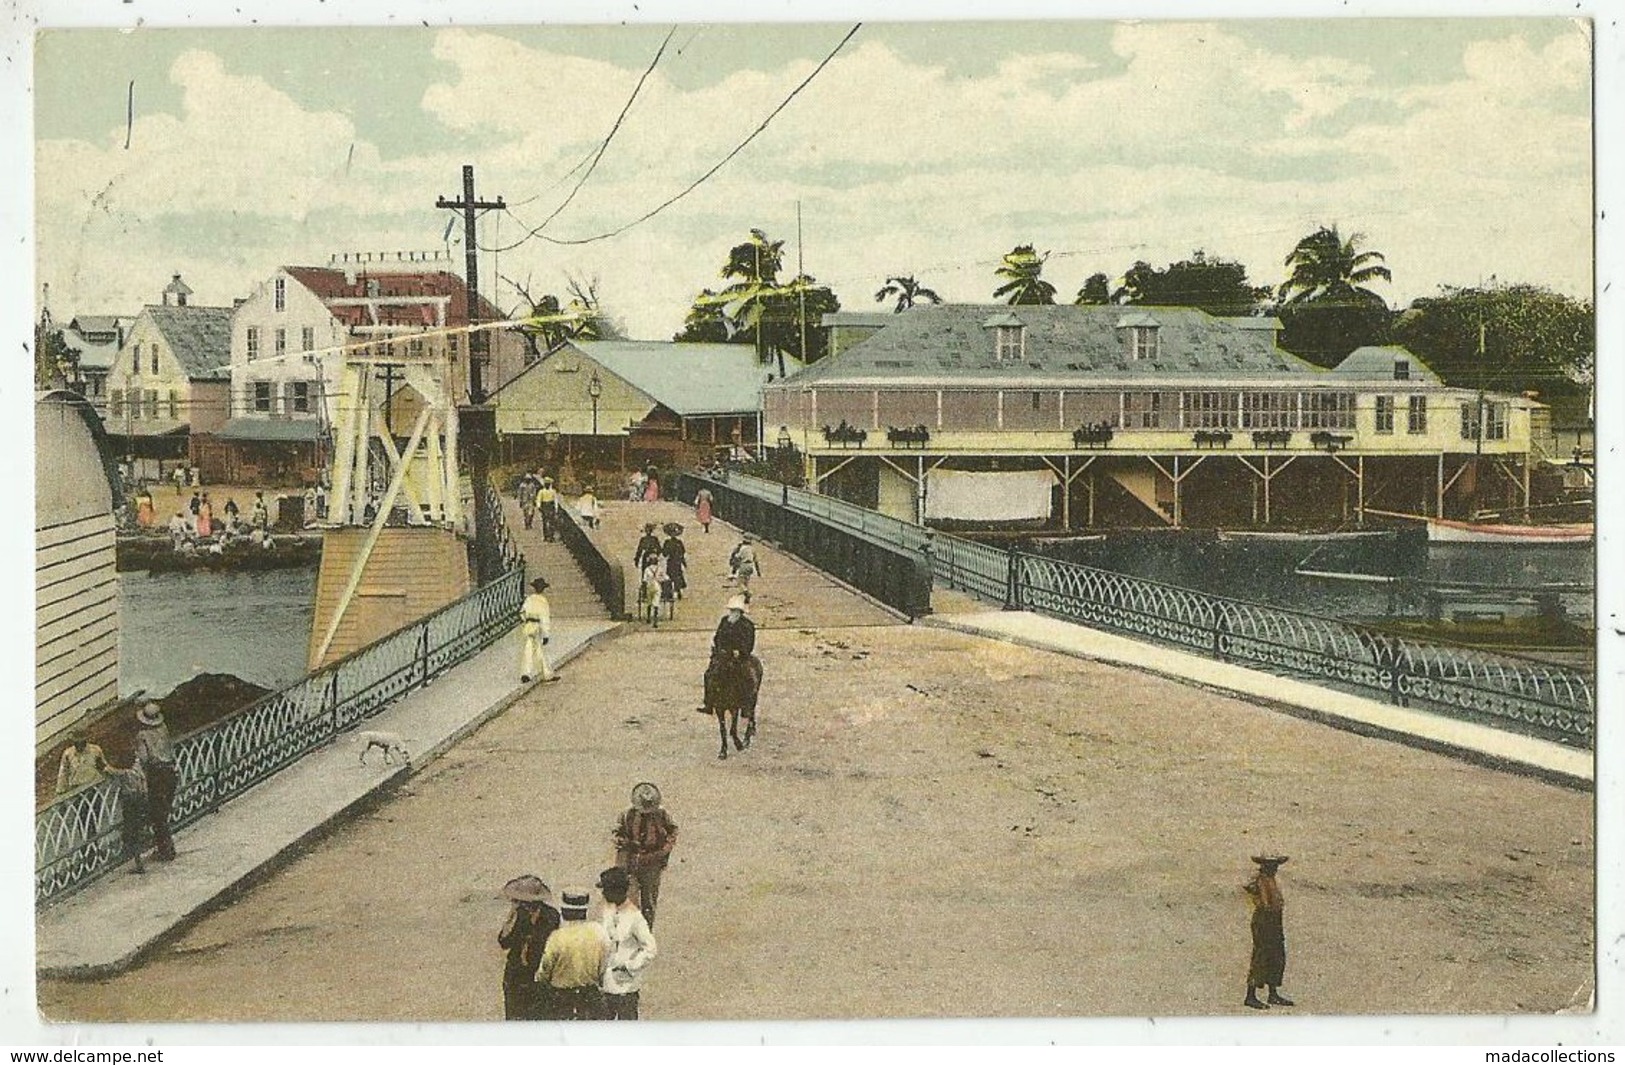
524	936
676	558
1268	964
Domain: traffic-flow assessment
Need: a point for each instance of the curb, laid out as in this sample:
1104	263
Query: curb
1324	717
374	796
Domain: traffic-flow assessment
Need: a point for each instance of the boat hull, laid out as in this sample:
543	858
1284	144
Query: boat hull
1444	531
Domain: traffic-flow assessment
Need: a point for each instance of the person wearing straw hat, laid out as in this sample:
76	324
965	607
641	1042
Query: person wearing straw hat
524	936
155	757
644	838
536	618
631	946
1268	963
573	961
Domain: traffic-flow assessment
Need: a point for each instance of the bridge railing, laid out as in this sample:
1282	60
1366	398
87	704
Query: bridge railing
956	562
606	575
896	574
1516	694
77	838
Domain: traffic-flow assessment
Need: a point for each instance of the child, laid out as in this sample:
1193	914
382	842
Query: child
588	508
649	590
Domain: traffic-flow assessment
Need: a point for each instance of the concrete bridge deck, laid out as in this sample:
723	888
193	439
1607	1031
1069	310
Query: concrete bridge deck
932	802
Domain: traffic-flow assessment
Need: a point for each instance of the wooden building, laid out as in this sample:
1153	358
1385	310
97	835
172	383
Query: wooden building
1077	417
76	606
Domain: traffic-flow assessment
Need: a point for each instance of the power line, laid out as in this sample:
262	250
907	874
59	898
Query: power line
703	178
599	154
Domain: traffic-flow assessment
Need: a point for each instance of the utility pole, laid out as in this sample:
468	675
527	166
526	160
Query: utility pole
477	340
476	421
389	370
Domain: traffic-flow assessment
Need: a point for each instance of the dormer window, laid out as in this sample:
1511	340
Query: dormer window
281	294
1402	369
1009	337
1140	336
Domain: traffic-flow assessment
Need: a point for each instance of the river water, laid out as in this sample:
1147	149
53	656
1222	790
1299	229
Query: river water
1298	574
174	626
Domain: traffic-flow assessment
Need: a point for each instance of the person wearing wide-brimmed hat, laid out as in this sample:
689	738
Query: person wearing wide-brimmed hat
547	504
1268	964
572	969
631	946
155	757
524	936
644	837
648	548
676	555
536	623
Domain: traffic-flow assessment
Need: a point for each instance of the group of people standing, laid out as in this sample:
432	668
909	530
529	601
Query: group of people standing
539	496
146	788
560	965
643	486
662	570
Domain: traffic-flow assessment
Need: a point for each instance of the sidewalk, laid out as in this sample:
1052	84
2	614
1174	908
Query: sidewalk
1418	728
108	926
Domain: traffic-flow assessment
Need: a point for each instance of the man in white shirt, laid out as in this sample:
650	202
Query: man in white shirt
631	947
537	619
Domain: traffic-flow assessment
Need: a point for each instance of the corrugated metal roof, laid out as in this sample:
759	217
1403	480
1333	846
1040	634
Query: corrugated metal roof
1065	341
200	337
688	378
293	430
1376	363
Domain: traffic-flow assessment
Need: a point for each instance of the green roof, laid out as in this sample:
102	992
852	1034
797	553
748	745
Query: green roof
689	379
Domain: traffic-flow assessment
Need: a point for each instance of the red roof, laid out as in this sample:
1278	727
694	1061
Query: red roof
329	283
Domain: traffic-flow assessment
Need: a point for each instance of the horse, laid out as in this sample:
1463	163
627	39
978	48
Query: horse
731	687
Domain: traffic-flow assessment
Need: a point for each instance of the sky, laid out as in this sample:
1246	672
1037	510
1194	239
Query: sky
1460	148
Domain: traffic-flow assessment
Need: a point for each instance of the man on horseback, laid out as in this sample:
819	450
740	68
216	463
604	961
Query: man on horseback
734	678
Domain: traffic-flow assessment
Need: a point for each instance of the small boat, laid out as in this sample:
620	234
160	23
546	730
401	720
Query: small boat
1446	531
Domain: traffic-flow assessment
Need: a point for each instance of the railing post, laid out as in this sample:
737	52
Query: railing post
1011	581
1221	628
423	655
331	698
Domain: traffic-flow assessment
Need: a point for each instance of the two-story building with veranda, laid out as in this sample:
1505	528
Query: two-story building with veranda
169	379
1081	417
291	336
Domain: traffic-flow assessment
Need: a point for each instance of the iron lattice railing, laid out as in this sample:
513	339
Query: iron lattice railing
1516	694
77	839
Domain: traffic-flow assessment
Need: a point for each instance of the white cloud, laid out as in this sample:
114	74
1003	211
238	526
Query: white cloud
1189	136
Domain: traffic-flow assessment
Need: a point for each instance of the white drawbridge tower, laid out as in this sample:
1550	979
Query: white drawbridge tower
394	548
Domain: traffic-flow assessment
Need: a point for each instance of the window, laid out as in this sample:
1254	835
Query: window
1143	342
1011	342
152	403
281	293
1469	421
1402	369
414	347
1495	420
253	343
1142	410
1385	414
155	358
299	397
1417	421
1210	410
1327	410
307	338
115	403
1037	396
281	342
1269	410
263	403
135	363
452	342
174	404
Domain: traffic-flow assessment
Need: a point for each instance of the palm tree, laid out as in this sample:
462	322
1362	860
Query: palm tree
1328	269
1096	291
1021	270
757	261
908	292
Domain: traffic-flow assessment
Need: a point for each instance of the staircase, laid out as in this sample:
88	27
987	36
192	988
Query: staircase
1148	486
568	595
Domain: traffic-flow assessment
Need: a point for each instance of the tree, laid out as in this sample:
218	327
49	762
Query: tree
547	323
1022	283
1217	286
1329	269
55	364
908	292
1326	310
757	309
1533	339
1096	291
